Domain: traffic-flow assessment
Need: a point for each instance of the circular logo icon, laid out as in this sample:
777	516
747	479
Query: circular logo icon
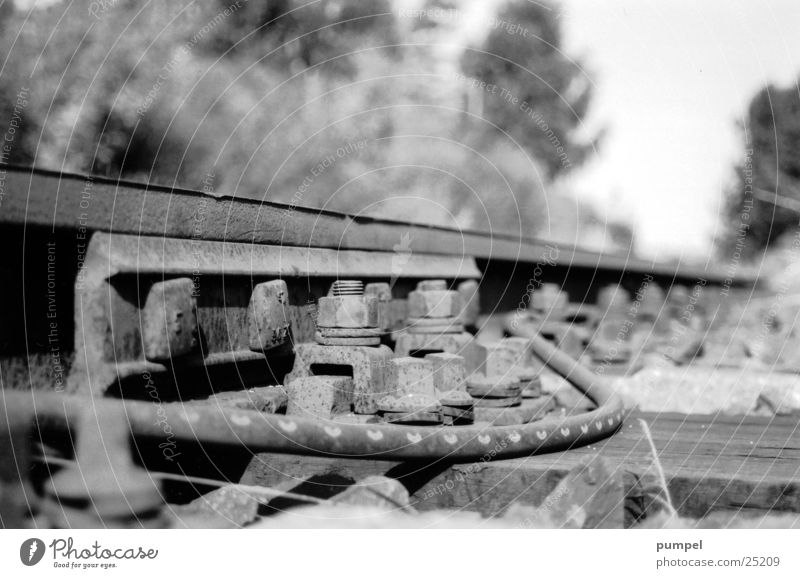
31	551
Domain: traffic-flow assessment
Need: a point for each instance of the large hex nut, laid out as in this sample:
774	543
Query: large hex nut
550	299
470	302
367	365
435	304
651	298
520	348
528	362
613	299
410	375
565	336
320	397
268	315
432	285
349	311
678	298
169	320
383	292
497	359
449	371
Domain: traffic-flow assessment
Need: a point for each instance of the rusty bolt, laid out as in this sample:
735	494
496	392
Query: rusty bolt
406	375
470	302
383	291
678	296
494	386
550	299
652	298
169	320
449	371
526	367
613	299
432	285
268	315
497	359
432	299
346	306
524	360
104	478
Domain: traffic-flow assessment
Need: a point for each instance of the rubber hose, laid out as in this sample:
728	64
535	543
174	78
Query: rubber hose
261	432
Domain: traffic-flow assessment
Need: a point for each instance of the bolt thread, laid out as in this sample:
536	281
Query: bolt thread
342	288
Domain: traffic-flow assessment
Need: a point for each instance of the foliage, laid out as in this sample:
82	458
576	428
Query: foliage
540	95
328	104
754	217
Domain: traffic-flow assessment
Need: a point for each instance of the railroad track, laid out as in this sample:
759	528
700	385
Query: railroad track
153	299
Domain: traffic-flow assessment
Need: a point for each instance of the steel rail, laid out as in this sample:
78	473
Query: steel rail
36	197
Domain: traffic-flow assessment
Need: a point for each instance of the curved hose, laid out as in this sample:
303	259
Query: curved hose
287	434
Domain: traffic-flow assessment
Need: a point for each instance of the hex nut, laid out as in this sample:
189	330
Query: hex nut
383	292
169	320
550	299
565	336
435	304
367	365
520	350
496	359
678	297
409	402
527	361
268	316
449	371
613	299
652	299
319	397
350	311
432	285
407	375
470	302
521	346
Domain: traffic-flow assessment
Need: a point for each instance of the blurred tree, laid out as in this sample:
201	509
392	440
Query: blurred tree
536	93
754	219
310	104
13	150
301	34
138	92
88	73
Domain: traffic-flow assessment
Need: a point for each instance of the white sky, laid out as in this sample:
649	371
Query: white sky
671	79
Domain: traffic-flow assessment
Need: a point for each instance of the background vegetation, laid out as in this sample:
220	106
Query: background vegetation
263	95
764	201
